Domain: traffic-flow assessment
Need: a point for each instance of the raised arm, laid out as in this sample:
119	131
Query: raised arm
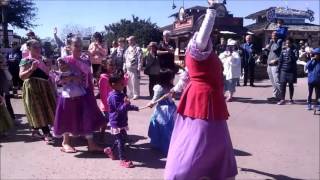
59	42
205	30
200	45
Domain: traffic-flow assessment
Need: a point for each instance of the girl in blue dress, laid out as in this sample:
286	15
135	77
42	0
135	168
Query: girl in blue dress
162	119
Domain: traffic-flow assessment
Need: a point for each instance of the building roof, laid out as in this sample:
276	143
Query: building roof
307	27
259	13
283	13
167	27
297	27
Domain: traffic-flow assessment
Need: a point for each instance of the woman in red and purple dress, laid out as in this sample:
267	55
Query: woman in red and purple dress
200	144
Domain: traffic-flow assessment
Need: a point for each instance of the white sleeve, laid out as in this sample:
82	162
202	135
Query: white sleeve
183	81
158	92
205	30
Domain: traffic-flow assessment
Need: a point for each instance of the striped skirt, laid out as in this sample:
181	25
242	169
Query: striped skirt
5	119
39	102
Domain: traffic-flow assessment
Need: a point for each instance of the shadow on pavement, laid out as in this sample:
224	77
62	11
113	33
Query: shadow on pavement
275	176
20	133
252	101
148	157
261	86
88	154
145	97
241	153
106	140
19	116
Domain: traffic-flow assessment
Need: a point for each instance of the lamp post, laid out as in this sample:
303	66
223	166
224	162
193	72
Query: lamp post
5	40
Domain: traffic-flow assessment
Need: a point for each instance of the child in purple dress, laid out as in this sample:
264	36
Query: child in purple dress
119	106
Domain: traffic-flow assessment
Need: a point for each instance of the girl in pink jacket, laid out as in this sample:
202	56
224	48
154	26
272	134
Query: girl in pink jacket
107	68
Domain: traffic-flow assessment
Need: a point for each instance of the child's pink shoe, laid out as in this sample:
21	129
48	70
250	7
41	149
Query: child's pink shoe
126	164
109	153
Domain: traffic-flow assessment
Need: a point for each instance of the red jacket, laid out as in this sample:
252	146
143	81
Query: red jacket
203	97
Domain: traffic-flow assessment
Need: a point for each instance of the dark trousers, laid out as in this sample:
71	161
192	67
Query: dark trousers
317	90
120	140
14	70
153	80
95	70
7	98
45	130
283	87
248	73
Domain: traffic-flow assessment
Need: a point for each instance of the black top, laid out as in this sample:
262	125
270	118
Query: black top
36	73
167	60
288	60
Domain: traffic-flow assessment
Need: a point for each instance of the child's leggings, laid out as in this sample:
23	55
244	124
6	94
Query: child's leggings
120	140
317	89
283	87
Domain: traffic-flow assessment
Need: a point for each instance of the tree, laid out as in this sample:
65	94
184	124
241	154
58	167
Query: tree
144	30
76	30
20	13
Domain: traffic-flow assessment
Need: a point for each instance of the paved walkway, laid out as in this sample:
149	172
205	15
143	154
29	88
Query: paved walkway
270	142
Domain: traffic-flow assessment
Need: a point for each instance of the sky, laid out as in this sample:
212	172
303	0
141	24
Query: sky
98	13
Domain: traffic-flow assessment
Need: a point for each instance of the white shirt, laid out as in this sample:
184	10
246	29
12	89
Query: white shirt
231	64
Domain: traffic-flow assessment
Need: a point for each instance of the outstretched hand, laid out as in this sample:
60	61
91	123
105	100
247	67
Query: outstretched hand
126	100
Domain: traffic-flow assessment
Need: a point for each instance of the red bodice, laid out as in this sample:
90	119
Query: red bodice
203	97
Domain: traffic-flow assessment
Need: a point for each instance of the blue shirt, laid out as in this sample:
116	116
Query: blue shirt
118	114
282	32
313	67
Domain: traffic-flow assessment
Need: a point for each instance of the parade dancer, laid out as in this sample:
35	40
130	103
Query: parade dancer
6	122
200	145
163	117
37	92
78	114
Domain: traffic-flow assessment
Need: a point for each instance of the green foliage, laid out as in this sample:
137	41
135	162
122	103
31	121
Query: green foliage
21	13
144	30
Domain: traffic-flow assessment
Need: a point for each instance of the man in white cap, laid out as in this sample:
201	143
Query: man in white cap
132	65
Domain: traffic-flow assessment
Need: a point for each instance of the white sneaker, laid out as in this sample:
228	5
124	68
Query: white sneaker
135	97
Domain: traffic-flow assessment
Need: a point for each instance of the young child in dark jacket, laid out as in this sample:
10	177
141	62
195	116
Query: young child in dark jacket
313	67
287	69
119	106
